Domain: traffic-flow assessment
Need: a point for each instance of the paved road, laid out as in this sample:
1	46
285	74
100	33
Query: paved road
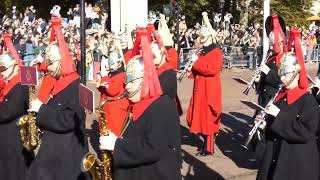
229	161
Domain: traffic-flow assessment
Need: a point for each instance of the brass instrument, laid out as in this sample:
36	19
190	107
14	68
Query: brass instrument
29	132
100	170
256	74
260	121
190	62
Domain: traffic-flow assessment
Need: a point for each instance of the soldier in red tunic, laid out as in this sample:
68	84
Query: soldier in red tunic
205	107
112	88
149	147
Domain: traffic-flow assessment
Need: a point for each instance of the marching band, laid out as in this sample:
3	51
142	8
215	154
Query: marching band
139	114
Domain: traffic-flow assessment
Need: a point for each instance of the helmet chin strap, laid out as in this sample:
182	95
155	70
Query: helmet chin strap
292	78
6	78
57	72
130	95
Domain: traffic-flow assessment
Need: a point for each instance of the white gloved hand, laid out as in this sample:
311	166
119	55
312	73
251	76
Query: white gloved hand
272	110
108	142
265	69
35	105
257	79
105	85
260	120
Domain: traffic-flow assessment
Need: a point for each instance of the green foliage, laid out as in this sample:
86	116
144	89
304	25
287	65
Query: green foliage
293	11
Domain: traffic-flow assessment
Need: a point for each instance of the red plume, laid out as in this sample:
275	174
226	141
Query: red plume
12	50
277	31
157	38
67	64
151	85
295	38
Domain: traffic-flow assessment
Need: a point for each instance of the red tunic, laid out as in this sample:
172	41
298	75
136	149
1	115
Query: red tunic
116	111
205	107
47	84
2	84
173	58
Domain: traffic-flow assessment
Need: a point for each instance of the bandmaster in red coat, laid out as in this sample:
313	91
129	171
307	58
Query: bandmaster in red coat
205	107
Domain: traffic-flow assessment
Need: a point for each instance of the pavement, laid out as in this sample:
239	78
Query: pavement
230	161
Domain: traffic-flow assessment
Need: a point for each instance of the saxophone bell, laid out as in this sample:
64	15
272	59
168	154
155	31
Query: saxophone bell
91	163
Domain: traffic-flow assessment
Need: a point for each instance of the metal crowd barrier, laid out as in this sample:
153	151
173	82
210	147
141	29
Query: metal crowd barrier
312	55
233	57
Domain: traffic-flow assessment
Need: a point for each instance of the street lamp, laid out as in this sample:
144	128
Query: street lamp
221	6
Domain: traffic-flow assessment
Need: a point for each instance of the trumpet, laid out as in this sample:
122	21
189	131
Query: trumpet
260	121
256	74
190	61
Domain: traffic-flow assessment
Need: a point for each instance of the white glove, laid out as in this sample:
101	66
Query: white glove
262	122
35	105
272	110
265	69
257	79
39	58
105	84
108	142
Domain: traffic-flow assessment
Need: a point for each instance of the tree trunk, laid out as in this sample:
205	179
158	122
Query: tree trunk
244	17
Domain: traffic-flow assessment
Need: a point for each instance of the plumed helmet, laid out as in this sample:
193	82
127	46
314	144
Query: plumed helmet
114	57
164	31
55	11
288	64
269	24
6	61
276	31
135	69
206	29
53	53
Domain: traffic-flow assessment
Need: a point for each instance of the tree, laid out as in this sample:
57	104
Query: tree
293	11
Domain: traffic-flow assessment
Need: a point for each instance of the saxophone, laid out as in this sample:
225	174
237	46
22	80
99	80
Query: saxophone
29	132
100	170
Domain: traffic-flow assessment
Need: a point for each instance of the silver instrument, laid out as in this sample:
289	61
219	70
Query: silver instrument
256	74
190	62
260	121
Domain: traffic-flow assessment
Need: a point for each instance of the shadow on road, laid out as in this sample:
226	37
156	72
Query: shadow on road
188	138
232	136
198	170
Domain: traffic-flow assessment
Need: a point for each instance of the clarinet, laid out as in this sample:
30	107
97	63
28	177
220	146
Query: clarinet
260	121
256	74
189	62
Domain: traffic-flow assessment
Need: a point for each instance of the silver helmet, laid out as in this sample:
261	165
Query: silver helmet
135	69
288	64
52	53
114	57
